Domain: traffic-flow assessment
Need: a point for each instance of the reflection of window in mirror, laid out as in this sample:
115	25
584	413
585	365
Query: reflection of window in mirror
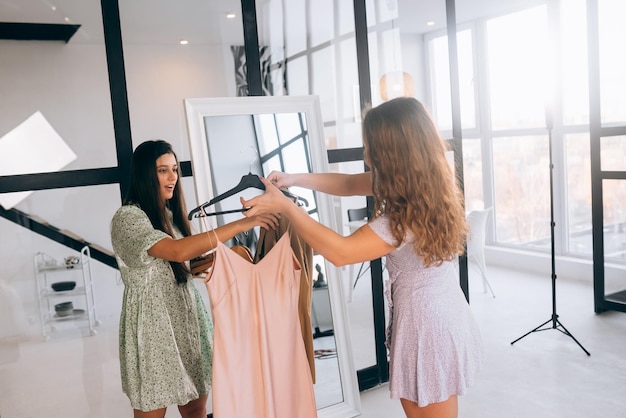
282	140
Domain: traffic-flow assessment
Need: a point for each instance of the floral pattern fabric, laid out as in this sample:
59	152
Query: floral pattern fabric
165	331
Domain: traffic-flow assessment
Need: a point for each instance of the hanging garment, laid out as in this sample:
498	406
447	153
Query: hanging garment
304	255
260	367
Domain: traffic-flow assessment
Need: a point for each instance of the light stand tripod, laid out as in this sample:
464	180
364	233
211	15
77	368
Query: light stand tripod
556	324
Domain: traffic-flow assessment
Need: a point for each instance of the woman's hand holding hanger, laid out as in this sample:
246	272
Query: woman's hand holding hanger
280	179
271	202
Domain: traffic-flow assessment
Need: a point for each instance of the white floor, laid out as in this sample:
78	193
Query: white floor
544	375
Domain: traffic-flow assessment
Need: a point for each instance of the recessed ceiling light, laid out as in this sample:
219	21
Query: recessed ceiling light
184	42
430	23
54	8
230	15
67	19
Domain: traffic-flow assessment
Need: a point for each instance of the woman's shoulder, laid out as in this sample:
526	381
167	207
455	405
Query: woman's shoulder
128	214
125	211
382	227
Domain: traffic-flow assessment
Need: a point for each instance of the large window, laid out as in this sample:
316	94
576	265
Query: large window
522	84
284	146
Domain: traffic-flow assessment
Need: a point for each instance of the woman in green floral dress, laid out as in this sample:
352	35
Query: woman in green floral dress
165	334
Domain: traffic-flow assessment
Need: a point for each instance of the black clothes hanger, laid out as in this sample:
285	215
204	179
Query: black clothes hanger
248	181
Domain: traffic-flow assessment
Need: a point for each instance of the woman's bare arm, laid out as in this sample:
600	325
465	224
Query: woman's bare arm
183	249
330	183
362	245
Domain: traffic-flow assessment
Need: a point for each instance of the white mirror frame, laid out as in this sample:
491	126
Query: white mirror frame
196	111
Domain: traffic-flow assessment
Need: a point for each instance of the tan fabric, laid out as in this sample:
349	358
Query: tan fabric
260	368
304	255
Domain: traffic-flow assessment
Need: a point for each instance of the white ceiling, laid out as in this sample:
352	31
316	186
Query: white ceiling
205	22
142	21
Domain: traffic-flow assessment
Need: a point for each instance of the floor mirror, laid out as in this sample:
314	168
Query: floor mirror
233	137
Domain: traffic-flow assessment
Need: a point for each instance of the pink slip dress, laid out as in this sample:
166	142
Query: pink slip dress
260	368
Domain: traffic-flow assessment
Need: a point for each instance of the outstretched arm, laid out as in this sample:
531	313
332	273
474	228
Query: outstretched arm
186	248
330	183
362	245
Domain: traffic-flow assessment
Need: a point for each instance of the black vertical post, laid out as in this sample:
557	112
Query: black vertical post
597	216
251	47
117	85
457	134
365	94
362	53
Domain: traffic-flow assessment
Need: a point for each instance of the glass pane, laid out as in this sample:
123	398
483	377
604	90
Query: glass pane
321	12
324	82
578	165
269	34
574	76
345	17
173	53
387	10
466	79
612	81
614	196
267	135
375	73
440	76
522	190
348	105
84	212
295	160
289	127
295	37
297	77
613	153
440	82
389	62
517	60
64	82
273	164
473	175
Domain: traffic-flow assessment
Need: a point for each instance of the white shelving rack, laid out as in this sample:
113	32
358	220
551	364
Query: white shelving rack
49	270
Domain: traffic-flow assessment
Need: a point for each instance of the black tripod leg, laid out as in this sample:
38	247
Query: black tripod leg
566	332
531	331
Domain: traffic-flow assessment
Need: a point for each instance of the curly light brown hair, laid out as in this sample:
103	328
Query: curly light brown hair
413	183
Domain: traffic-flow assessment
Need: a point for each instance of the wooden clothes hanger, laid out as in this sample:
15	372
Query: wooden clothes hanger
247	181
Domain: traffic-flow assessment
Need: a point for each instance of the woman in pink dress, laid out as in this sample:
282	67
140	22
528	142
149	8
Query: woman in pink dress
435	348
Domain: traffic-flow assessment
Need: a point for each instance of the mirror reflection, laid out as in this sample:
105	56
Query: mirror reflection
241	144
226	150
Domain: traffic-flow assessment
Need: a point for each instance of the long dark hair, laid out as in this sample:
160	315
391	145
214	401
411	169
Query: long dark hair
144	192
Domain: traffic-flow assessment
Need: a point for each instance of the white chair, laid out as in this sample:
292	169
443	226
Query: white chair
477	221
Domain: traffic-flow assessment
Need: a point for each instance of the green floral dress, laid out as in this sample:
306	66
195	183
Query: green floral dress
165	335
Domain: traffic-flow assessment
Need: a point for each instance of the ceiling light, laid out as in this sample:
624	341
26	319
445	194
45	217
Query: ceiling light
430	23
230	15
184	42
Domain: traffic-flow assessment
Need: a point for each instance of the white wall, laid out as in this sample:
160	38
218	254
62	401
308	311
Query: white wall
68	83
